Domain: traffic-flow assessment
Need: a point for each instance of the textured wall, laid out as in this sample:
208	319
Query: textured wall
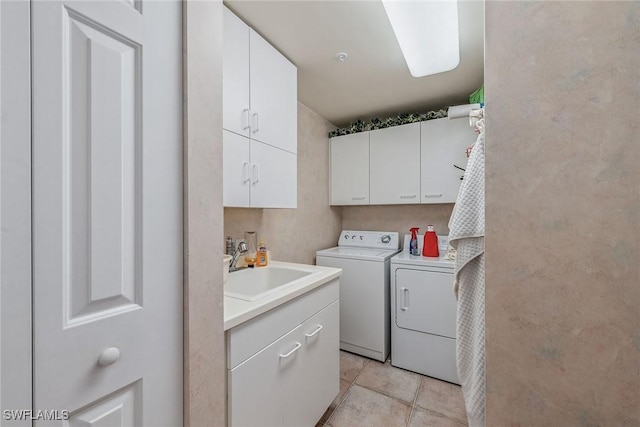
204	352
397	218
296	234
563	224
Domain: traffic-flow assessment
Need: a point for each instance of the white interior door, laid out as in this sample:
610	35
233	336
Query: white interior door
107	211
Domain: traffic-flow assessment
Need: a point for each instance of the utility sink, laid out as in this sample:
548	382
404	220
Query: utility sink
253	283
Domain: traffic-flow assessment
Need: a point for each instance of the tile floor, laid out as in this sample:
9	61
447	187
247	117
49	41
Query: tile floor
374	394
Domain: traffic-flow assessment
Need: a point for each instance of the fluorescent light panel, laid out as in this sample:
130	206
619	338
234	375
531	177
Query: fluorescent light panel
427	32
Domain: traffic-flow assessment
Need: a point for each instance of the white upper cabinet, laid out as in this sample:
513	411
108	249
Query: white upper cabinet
395	165
260	119
274	95
443	145
350	169
259	88
408	164
235	72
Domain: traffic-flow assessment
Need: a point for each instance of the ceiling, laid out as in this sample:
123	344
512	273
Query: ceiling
374	81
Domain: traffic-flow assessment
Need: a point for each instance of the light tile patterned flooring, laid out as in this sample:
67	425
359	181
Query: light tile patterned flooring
374	394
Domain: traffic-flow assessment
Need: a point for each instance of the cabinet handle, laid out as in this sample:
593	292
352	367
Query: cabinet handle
318	329
358	198
255	173
432	196
298	345
408	196
405	294
246	113
256	128
245	172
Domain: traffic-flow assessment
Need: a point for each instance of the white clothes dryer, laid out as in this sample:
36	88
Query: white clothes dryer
423	313
364	259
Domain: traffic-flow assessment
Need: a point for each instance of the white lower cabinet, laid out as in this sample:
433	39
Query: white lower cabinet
293	380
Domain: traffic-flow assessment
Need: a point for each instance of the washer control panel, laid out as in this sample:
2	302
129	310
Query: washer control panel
370	239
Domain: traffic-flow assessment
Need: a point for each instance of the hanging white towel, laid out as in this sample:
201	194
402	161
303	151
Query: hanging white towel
466	235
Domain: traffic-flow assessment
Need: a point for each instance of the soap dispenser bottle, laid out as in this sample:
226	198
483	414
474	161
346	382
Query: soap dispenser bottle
262	258
430	246
413	245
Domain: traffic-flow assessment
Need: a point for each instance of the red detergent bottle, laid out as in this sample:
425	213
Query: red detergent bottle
430	246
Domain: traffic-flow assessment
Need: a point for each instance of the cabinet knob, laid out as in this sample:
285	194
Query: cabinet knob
432	196
358	198
408	196
109	356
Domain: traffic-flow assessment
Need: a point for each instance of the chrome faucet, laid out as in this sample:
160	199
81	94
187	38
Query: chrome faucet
242	249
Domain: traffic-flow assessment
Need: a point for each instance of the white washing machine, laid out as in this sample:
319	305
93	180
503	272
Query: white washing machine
364	259
423	310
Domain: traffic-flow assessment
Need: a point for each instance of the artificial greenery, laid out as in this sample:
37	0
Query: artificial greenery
376	123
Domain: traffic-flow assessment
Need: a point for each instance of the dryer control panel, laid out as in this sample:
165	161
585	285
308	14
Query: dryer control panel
370	239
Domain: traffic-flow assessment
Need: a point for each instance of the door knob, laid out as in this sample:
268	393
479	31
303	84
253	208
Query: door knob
109	356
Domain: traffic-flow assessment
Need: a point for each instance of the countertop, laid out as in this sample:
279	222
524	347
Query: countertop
237	311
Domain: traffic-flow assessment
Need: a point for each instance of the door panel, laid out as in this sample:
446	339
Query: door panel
107	210
425	302
443	144
350	169
122	409
395	165
235	75
236	169
274	106
272	170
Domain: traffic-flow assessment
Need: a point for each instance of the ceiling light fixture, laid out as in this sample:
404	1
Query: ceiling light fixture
341	56
427	32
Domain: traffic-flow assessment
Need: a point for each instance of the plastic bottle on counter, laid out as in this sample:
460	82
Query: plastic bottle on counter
413	245
430	246
262	258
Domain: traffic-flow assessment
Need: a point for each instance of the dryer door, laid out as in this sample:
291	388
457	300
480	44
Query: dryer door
425	302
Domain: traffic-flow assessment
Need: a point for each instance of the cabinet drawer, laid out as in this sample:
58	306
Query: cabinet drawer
248	338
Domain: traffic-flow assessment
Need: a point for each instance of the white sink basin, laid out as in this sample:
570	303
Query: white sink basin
253	283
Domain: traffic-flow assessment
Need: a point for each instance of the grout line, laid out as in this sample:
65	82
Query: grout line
415	399
344	396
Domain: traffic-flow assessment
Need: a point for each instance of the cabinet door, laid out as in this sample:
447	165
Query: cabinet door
395	165
273	177
443	144
261	388
319	380
350	169
235	170
235	75
274	106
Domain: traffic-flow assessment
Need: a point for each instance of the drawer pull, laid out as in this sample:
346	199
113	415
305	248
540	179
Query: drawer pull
298	345
432	196
408	196
358	198
318	329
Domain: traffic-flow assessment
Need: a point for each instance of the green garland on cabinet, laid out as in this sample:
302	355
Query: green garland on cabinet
376	123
